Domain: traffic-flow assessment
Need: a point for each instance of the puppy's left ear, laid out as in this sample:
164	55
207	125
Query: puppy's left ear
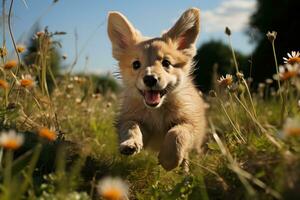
185	31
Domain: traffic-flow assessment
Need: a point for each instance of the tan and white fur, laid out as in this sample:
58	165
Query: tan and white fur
161	108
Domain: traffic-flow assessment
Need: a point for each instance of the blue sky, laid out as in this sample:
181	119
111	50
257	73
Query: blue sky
88	17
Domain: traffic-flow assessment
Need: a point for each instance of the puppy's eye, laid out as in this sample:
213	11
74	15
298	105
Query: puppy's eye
136	64
165	63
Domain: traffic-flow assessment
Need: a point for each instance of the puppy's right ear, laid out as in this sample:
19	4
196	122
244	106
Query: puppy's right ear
121	33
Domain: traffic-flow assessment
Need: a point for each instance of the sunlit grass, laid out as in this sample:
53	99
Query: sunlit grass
66	141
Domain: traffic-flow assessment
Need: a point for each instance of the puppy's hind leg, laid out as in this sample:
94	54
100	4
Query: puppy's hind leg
130	137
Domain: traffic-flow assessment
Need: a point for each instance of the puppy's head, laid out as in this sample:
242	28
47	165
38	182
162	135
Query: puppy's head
153	68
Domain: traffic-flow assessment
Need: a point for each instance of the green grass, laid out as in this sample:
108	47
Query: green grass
249	153
87	151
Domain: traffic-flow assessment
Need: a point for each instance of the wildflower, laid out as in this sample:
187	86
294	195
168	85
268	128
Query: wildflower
227	31
70	86
269	81
47	133
10	64
78	79
113	189
96	95
40	34
3	84
272	35
292	58
288	71
20	48
108	105
11	140
225	81
78	100
291	127
240	75
26	81
3	51
261	85
249	80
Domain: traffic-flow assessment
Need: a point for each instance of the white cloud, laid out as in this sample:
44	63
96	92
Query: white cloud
232	13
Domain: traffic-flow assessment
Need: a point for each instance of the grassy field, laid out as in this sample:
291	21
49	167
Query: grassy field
58	142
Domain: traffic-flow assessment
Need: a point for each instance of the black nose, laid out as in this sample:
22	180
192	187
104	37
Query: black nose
150	81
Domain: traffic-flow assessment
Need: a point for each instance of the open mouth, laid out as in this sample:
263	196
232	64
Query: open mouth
153	97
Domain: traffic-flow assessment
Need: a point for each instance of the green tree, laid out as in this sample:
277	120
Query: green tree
214	54
283	17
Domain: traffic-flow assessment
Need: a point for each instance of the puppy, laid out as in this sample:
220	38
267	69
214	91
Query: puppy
161	108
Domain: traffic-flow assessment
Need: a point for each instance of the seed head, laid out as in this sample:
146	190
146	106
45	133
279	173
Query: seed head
227	31
272	35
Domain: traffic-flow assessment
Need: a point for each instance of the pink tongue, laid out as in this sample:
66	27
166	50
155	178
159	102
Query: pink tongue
152	97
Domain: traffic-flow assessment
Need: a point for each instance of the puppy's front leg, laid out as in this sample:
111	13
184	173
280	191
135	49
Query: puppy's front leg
130	137
176	145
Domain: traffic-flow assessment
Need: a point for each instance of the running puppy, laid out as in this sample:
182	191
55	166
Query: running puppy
161	108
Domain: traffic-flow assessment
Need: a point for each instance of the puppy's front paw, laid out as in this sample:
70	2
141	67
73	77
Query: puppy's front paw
171	153
130	147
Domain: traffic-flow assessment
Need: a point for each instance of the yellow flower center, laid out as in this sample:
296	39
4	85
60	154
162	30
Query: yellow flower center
26	82
293	60
226	82
293	131
20	49
287	75
48	134
3	52
10	64
11	144
3	84
112	194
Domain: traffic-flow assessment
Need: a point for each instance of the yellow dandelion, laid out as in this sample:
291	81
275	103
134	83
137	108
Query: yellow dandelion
47	133
225	81
4	84
293	58
288	71
11	140
20	48
10	64
3	52
291	127
113	189
27	81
